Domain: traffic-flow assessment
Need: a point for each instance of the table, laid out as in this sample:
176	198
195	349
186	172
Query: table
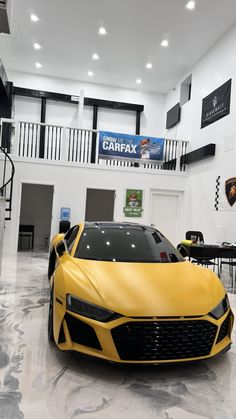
208	251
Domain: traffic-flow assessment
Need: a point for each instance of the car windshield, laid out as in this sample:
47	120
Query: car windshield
121	243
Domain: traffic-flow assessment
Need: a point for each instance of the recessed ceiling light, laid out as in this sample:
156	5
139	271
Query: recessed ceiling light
37	46
165	43
90	73
139	81
102	31
149	65
34	18
95	57
38	65
190	5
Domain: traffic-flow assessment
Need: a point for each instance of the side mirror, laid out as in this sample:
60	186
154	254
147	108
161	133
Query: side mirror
60	248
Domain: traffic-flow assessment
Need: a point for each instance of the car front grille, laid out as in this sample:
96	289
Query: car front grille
81	332
164	340
223	329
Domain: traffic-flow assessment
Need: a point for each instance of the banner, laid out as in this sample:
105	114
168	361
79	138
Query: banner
133	203
130	147
216	105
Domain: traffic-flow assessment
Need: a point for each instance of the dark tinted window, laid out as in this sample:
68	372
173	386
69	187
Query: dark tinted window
125	244
70	237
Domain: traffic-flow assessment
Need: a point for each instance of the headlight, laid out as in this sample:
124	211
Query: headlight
89	309
220	309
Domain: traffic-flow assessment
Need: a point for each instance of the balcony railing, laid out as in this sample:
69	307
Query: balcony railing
59	143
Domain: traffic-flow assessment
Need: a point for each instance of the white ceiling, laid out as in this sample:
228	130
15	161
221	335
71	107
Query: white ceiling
68	33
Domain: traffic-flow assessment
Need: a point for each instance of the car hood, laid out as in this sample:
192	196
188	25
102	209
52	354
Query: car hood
145	289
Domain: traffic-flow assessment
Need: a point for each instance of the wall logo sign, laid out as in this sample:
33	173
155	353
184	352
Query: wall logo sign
216	105
230	190
225	193
133	203
65	214
130	147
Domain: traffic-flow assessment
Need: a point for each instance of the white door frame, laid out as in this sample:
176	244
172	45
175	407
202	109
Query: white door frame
171	192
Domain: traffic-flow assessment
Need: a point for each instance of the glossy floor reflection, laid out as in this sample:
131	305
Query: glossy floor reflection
39	381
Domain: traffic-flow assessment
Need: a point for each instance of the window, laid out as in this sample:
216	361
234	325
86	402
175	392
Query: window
120	243
185	90
70	237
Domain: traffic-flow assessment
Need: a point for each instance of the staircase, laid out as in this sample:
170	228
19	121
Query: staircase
8	171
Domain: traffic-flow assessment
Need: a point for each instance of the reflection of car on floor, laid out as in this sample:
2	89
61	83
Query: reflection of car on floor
122	292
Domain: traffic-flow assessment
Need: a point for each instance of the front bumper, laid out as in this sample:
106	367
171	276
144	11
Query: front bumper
146	340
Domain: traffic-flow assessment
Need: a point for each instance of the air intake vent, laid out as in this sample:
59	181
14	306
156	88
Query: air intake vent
4	17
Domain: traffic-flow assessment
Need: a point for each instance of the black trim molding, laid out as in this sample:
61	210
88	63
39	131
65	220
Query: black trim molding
21	91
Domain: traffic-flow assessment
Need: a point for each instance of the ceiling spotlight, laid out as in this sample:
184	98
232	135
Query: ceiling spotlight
102	31
37	46
149	65
34	18
139	81
95	57
38	65
165	43
90	73
190	5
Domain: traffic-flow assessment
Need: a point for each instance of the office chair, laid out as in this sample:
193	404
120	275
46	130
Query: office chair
200	260
231	264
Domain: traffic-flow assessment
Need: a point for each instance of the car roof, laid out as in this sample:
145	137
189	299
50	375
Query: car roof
96	224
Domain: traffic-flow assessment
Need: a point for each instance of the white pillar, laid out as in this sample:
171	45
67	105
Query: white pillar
81	108
2	226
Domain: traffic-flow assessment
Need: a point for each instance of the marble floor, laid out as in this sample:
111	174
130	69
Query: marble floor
37	381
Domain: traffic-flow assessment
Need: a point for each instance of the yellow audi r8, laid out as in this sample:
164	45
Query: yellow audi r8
123	293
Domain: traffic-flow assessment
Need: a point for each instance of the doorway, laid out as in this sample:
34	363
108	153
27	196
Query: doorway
165	214
100	205
35	217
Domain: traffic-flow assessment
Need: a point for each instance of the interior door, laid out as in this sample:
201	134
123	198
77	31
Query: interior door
99	205
164	215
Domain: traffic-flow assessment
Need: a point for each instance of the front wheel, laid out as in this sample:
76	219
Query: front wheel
50	319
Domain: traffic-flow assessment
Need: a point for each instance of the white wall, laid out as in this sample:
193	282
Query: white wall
70	183
214	69
152	119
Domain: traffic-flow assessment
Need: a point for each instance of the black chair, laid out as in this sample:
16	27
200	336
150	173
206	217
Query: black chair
198	236
231	264
26	232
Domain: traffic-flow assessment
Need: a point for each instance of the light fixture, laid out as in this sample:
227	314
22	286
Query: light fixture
34	18
190	5
90	73
102	31
38	65
139	81
149	65
95	57
165	43
37	46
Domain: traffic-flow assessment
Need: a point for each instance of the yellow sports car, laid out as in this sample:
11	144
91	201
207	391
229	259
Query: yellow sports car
123	293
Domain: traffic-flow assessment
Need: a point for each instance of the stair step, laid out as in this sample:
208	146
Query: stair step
8	209
7	218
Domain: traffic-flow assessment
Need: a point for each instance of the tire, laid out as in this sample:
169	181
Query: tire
50	319
51	263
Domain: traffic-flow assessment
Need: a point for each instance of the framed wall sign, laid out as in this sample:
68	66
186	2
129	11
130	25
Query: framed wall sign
133	203
216	105
65	214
